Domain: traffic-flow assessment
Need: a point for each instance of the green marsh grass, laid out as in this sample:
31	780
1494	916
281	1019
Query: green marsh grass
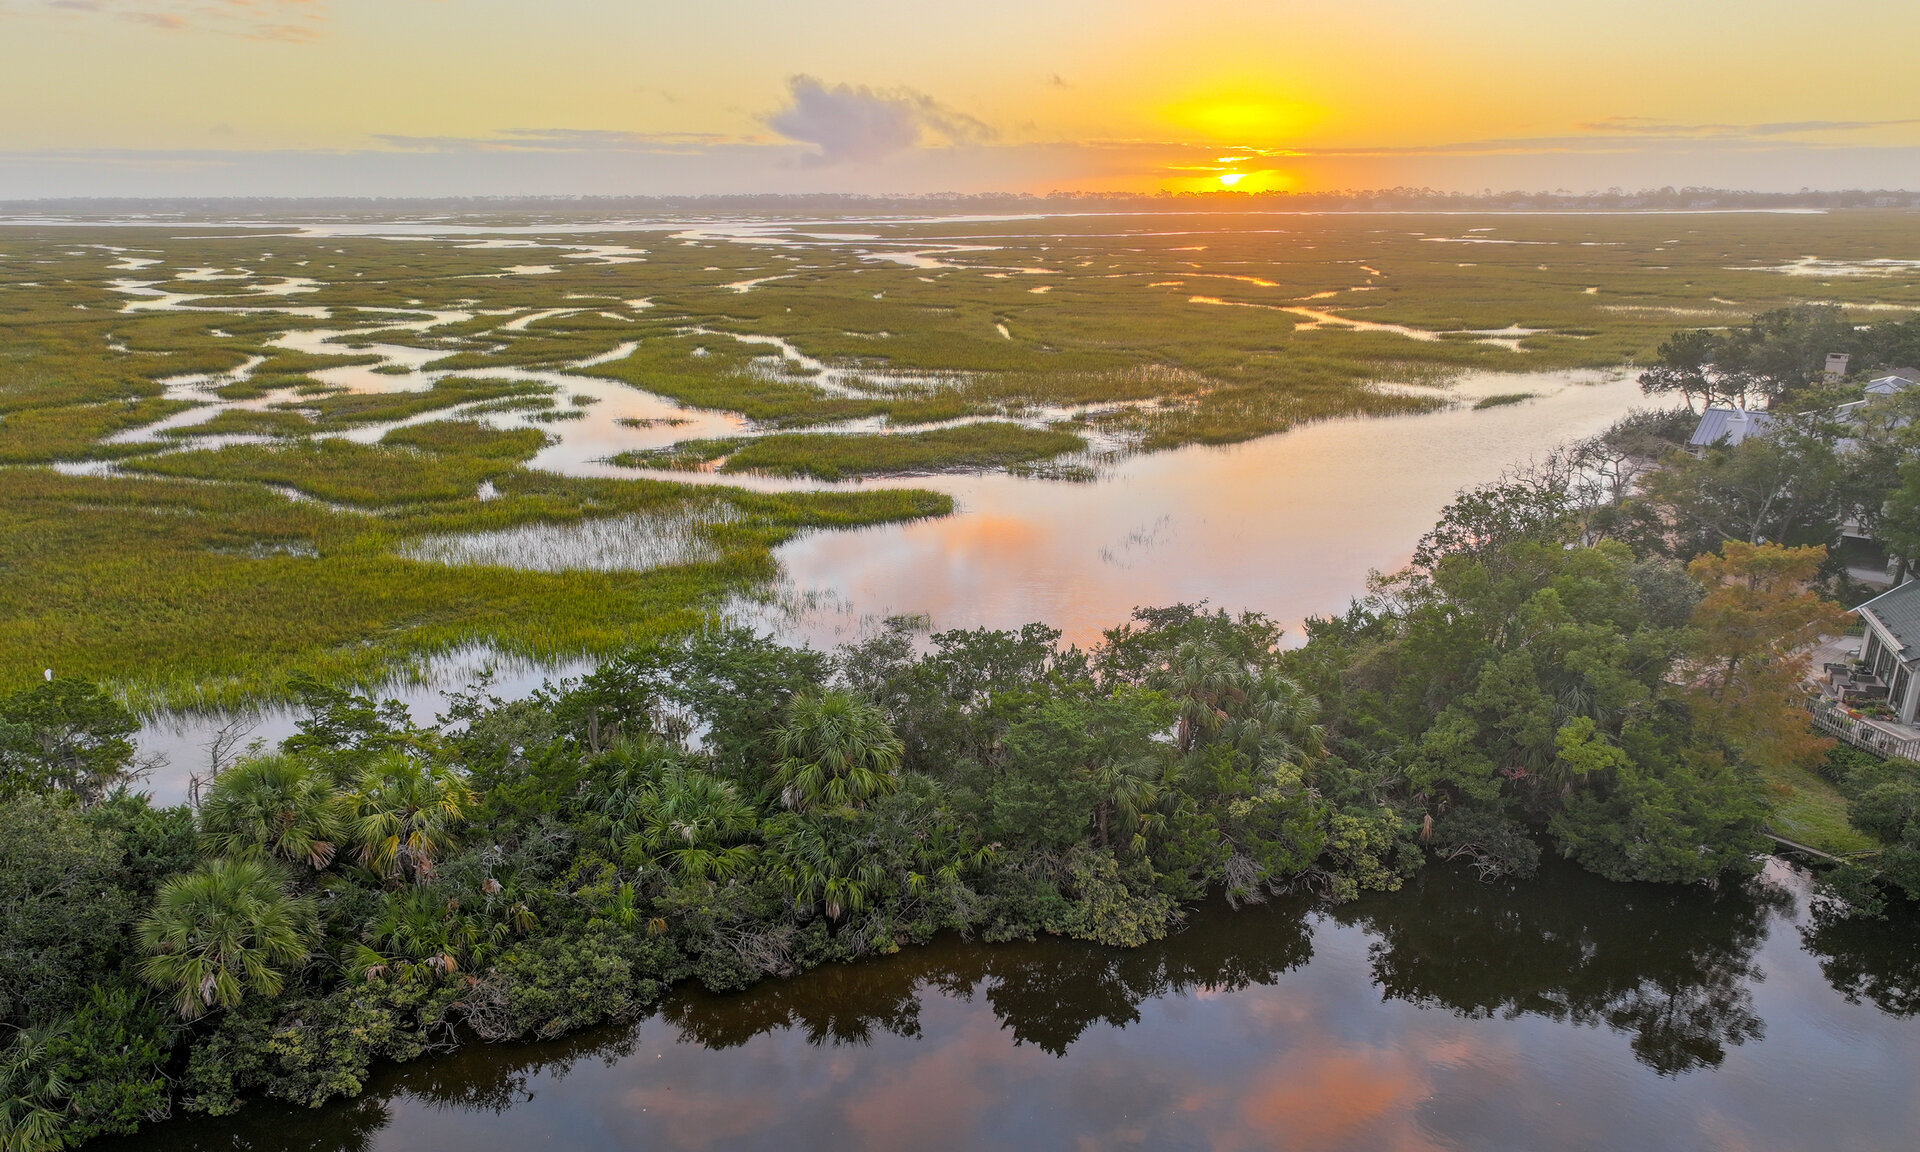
828	456
171	585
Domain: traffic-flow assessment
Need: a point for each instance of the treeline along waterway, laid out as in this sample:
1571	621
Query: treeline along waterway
1559	1012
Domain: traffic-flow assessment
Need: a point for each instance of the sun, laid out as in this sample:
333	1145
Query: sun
1229	179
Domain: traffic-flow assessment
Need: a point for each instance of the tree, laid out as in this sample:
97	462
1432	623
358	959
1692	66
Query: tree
1791	486
836	751
64	734
1776	355
818	865
407	813
1683	367
696	826
277	805
1749	647
63	909
222	931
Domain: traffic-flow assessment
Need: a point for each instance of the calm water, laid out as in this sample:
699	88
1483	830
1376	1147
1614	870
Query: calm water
1289	525
1562	1013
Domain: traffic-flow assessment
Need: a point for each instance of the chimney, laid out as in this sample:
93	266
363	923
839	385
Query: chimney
1837	365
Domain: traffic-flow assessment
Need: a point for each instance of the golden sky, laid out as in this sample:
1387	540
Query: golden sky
438	96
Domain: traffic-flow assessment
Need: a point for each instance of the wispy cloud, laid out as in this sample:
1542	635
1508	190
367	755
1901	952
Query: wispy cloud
849	124
286	20
562	140
1644	126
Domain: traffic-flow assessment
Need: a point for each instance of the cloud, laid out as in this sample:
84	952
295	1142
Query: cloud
285	20
561	140
851	125
1647	127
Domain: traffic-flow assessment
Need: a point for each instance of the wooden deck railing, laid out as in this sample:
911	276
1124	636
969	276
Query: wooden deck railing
1828	717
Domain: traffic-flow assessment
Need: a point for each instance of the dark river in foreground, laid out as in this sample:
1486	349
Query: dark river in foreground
1559	1013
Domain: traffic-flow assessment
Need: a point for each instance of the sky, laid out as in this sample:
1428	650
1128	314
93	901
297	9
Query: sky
609	97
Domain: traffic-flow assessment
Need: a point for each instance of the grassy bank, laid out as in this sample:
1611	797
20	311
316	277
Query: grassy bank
1811	811
191	593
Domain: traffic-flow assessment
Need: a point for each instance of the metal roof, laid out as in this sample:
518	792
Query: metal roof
1898	613
1729	424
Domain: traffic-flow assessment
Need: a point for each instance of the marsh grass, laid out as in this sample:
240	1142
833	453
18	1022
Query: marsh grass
686	456
245	422
39	435
342	409
469	438
204	584
196	594
336	470
715	372
1502	399
828	456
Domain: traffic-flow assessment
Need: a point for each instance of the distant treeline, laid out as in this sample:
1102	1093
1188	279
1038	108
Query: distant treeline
1383	199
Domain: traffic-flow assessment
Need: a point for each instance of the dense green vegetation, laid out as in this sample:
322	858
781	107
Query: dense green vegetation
1779	356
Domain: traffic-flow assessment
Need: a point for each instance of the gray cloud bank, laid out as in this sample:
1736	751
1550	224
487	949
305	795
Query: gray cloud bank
851	125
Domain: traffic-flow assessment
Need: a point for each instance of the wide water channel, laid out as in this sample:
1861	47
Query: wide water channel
1563	1012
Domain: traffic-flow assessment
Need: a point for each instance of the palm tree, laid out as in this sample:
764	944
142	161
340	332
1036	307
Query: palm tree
837	751
222	930
276	805
1202	681
622	786
1274	725
818	868
1130	792
405	815
31	1094
416	933
697	826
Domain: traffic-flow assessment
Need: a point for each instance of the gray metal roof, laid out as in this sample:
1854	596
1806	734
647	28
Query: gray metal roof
1729	424
1898	613
1898	380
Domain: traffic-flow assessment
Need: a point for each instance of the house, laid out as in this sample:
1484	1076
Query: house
1891	651
1727	427
1897	380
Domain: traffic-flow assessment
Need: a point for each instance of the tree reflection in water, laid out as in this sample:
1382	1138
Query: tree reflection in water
1670	966
1873	960
1046	993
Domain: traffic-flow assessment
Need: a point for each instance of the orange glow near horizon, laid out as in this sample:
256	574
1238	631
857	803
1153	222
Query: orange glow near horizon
582	96
1240	118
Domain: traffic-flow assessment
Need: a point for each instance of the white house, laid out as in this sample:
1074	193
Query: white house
1892	648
